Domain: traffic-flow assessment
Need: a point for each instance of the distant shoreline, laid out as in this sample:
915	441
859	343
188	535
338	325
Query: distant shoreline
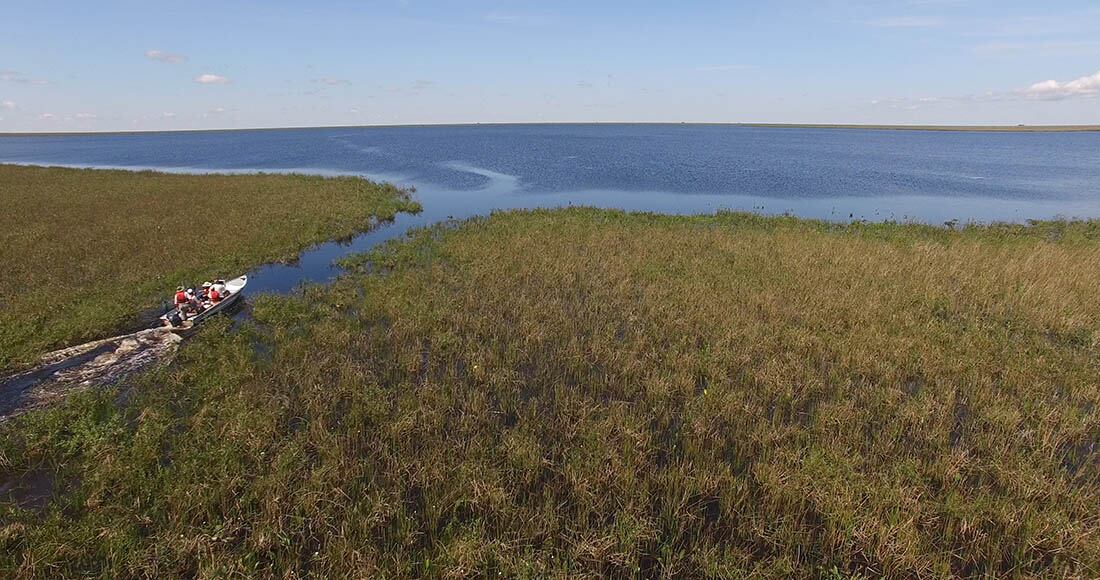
951	128
965	128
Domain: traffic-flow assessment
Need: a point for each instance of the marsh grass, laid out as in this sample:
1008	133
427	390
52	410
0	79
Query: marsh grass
82	252
592	393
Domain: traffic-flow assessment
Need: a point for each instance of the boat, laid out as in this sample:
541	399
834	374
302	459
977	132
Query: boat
176	320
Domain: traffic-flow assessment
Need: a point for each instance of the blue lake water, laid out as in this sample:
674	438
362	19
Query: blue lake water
460	171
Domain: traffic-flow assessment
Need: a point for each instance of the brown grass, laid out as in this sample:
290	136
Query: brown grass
583	393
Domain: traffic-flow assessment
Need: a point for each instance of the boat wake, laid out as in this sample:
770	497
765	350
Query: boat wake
496	182
94	364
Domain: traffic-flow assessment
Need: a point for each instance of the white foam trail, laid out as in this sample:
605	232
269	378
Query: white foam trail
368	149
498	182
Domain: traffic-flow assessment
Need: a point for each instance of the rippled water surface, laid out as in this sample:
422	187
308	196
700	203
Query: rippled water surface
461	171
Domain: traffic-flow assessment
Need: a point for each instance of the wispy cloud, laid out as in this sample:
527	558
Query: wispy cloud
11	76
1045	48
906	22
85	116
515	18
215	112
1060	24
413	88
211	79
7	105
165	116
165	57
333	82
47	116
725	67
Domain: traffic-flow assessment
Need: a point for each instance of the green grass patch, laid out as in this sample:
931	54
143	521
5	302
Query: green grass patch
590	393
82	252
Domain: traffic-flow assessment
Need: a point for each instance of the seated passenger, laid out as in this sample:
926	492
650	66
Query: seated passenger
193	302
217	291
181	297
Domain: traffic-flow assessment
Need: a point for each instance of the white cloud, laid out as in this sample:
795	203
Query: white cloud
906	22
167	115
165	57
85	116
9	105
47	116
354	110
1087	86
15	77
333	82
211	79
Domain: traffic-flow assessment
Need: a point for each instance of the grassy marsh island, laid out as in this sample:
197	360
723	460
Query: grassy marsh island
591	393
82	251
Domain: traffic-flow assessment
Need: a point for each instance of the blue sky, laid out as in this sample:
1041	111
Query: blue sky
141	65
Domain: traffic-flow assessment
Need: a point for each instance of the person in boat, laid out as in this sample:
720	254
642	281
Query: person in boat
194	303
205	295
217	291
181	297
182	302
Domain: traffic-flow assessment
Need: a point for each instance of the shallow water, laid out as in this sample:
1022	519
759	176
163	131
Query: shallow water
461	171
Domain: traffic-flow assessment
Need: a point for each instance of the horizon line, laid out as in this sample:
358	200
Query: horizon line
1020	128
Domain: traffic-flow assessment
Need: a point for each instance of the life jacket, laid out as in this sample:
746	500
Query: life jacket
181	297
214	296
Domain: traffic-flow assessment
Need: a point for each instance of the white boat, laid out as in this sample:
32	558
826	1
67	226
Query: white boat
176	319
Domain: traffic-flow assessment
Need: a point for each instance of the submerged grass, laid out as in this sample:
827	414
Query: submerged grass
594	393
83	251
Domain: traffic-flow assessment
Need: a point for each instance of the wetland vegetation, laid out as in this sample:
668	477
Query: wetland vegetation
82	251
590	393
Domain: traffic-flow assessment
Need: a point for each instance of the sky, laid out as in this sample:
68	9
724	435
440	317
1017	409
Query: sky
156	65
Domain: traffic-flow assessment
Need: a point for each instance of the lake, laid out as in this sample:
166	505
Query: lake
460	171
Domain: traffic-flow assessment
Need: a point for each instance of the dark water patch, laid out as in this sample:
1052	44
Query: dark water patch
1078	455
960	415
31	490
913	385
